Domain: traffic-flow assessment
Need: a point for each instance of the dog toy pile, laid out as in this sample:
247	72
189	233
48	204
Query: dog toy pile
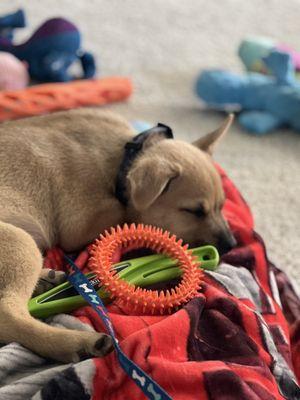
45	98
264	102
50	51
47	57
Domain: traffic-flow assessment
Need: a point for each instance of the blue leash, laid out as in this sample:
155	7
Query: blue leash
149	387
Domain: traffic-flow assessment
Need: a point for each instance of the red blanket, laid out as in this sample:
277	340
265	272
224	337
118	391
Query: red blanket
239	340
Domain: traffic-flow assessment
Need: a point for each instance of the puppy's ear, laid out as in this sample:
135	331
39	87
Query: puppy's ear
207	143
149	179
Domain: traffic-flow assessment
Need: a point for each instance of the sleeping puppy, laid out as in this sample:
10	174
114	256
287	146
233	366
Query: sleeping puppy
63	182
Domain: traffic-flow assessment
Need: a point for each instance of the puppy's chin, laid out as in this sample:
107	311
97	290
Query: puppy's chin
198	243
222	250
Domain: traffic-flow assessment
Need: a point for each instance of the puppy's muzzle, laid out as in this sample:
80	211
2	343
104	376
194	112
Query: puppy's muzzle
225	242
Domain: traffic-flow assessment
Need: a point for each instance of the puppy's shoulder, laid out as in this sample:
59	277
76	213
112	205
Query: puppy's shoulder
86	115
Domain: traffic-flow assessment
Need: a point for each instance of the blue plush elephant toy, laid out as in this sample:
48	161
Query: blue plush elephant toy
264	102
50	51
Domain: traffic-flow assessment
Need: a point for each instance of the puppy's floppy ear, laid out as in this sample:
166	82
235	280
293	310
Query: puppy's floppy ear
208	142
149	179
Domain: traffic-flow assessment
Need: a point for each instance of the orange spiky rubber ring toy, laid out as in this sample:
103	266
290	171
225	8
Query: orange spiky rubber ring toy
139	299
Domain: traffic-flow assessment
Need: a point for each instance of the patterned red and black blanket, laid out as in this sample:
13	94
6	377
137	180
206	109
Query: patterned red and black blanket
239	340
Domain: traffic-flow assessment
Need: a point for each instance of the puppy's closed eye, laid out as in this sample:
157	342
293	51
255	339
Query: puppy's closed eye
199	212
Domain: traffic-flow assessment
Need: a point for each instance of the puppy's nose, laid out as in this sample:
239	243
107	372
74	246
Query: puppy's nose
226	242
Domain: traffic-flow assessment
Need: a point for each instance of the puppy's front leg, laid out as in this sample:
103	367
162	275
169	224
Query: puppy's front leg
20	266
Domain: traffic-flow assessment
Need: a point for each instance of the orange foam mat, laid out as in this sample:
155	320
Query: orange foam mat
46	98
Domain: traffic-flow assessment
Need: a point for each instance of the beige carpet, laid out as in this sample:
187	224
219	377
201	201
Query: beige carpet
163	45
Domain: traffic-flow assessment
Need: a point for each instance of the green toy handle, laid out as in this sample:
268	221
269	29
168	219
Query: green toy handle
143	271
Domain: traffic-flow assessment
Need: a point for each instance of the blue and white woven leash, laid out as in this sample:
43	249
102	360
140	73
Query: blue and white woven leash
150	388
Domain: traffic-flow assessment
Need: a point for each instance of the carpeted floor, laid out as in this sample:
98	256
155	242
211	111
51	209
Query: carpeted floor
163	45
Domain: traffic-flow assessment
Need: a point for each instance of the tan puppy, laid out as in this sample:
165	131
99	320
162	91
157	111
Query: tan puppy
58	178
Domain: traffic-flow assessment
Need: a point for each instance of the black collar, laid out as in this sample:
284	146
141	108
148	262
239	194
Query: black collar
132	150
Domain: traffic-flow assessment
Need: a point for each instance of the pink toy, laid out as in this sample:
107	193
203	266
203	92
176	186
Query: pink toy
13	72
293	53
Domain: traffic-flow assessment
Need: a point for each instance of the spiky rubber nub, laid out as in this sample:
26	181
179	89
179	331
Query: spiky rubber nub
138	299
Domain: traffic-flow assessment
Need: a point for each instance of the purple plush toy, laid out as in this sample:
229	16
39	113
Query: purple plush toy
50	51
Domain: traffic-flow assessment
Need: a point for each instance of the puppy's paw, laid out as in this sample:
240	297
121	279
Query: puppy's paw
49	278
99	348
89	344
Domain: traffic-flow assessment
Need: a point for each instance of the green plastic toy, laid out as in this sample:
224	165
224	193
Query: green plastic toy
143	272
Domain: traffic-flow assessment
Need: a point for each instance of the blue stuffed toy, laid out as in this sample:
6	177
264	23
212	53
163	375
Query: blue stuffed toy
265	102
50	51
